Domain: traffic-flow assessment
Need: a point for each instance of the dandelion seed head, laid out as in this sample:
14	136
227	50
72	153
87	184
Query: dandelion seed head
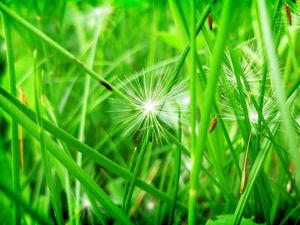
86	203
253	116
152	103
251	66
150	205
149	107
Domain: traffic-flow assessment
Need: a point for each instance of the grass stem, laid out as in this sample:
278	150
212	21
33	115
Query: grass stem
15	148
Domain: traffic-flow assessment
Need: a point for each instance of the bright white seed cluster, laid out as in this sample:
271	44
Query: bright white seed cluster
151	104
251	63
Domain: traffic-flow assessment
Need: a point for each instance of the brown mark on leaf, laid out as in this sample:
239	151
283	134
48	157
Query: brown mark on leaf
106	85
209	20
213	124
288	13
243	181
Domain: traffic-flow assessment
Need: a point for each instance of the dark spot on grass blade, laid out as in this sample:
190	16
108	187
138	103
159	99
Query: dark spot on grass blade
209	20
288	13
106	85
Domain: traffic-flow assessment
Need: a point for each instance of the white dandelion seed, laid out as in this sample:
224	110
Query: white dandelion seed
151	104
269	111
86	203
251	65
150	205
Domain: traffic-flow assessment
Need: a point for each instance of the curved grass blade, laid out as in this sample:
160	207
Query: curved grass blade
86	181
60	49
279	91
86	150
55	199
15	148
208	103
136	170
26	206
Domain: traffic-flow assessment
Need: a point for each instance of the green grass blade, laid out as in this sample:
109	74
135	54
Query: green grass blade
60	49
256	168
25	205
86	150
279	91
136	170
55	198
206	110
177	170
86	181
14	124
85	98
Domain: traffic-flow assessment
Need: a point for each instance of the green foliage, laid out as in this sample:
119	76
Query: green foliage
149	112
228	219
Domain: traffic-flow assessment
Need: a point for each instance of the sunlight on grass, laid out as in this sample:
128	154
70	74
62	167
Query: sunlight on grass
149	112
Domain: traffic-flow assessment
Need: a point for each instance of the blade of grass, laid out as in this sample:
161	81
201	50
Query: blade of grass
87	82
293	211
256	168
88	151
136	170
60	49
95	208
258	164
280	93
193	108
69	164
177	170
179	63
180	22
195	31
55	199
206	110
131	168
68	186
162	184
202	79
25	205
262	187
15	148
